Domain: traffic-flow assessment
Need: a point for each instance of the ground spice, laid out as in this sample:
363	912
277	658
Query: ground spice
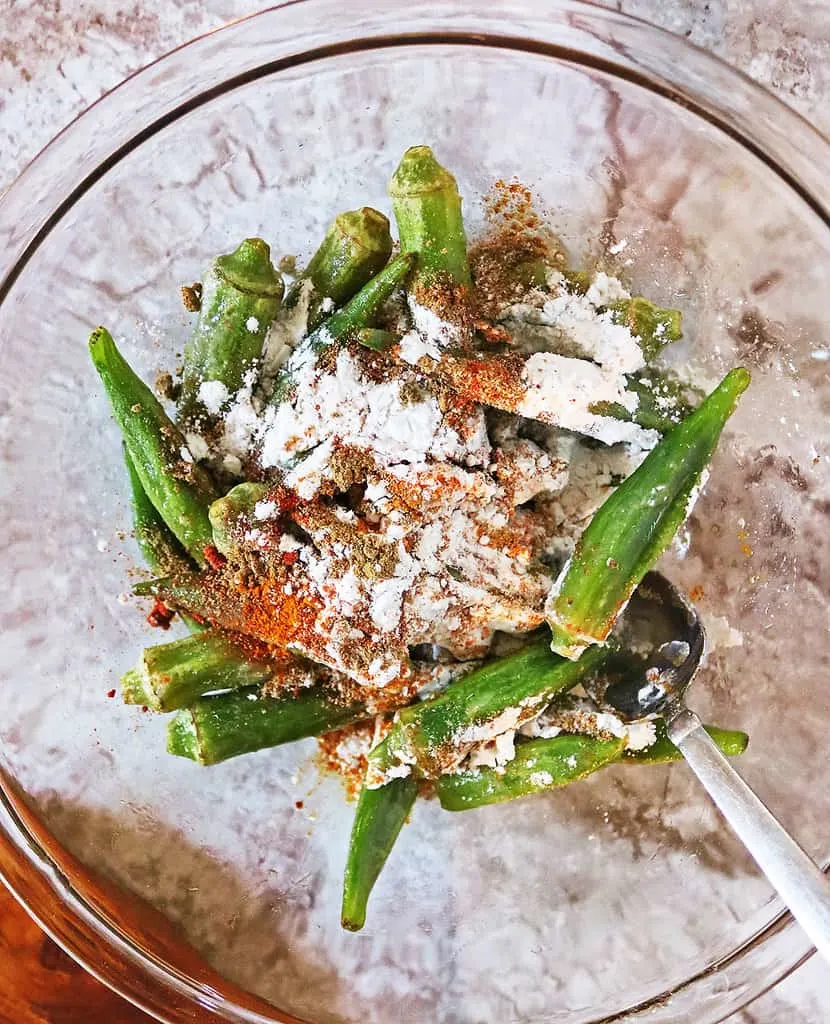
453	303
214	558
160	615
277	618
192	296
511	202
505	266
496	380
166	387
345	752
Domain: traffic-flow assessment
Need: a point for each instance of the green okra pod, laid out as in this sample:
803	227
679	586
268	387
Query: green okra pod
177	487
531	273
241	294
427	210
578	281
356	247
173	675
539	765
217	727
379	818
433	736
651	325
635	525
543	764
731	742
356	314
161	551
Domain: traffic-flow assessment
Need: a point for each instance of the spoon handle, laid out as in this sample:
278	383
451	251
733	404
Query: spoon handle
800	883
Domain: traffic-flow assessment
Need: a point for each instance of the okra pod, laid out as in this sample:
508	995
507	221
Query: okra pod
241	294
544	764
578	281
379	818
435	735
635	525
161	551
217	727
730	741
173	675
538	765
356	247
427	210
356	314
177	487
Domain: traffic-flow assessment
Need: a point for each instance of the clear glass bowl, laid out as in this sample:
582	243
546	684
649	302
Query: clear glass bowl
625	897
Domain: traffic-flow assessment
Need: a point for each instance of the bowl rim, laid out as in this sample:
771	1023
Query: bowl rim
39	872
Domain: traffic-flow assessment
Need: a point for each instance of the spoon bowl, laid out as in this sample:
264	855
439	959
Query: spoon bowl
661	620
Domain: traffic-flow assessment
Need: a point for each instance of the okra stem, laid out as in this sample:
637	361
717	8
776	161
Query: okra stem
225	512
653	327
427	210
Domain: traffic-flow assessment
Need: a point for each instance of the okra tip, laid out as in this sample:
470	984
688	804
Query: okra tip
249	268
396	270
99	342
733	742
353	919
419	172
724	399
737	380
567	644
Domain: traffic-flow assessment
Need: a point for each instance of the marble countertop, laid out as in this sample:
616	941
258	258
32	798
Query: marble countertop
58	56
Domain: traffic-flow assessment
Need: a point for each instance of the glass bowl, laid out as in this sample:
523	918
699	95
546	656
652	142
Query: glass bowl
208	892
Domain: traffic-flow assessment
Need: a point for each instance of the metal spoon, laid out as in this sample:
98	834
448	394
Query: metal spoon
658	611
